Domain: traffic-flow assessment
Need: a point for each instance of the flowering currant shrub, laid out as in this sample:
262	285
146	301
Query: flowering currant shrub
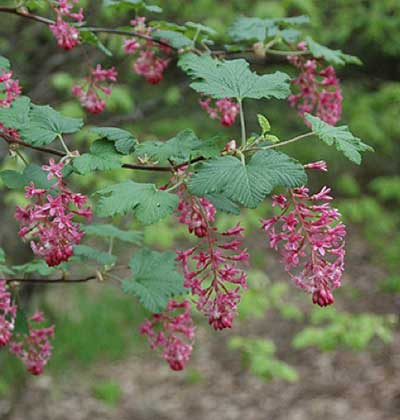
195	179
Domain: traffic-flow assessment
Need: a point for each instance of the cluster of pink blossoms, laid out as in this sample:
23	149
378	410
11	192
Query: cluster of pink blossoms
48	222
98	82
33	349
9	92
226	110
311	239
319	89
67	36
176	333
211	268
8	312
148	63
10	88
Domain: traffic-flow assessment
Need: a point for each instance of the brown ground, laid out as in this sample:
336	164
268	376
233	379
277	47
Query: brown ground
333	386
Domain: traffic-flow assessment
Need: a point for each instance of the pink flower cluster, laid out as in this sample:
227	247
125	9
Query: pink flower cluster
10	88
319	89
33	349
99	82
67	36
310	237
148	63
175	335
226	110
211	268
48	222
8	312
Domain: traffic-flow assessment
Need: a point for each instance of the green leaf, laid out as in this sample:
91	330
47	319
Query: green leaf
4	63
201	28
155	279
17	115
256	29
112	232
149	204
87	252
182	147
126	5
102	157
222	203
232	79
13	179
331	56
2	256
264	124
124	141
46	124
247	184
175	39
35	266
92	39
341	137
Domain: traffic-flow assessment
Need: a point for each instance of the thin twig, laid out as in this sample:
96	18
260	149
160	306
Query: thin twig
50	281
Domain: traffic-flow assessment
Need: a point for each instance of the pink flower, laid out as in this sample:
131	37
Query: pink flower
211	268
95	85
310	239
319	90
319	165
151	61
34	349
172	332
226	110
8	313
67	36
47	223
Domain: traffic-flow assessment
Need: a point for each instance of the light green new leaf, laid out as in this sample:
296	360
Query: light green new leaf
341	137
331	56
124	141
45	124
102	157
112	232
247	184
89	253
180	148
155	279
233	79
149	204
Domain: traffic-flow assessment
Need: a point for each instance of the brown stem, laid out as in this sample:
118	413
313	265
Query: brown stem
11	140
49	281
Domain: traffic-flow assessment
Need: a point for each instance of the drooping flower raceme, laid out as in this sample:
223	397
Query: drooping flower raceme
48	223
8	312
34	349
151	60
311	239
67	36
172	331
10	88
319	89
211	268
226	110
98	83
